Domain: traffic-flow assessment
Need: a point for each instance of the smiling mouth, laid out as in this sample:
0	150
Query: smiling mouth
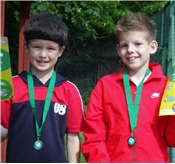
132	58
42	61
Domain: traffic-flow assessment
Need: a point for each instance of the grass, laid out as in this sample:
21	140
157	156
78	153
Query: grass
82	159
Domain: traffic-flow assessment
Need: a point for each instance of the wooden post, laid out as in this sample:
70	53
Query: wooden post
2	3
23	62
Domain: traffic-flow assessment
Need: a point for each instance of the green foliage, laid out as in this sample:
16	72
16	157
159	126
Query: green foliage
94	19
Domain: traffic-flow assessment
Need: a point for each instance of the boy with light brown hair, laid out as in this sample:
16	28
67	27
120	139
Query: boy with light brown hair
122	120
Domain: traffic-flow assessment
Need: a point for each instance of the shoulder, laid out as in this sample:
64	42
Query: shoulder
156	70
68	85
17	78
111	78
69	90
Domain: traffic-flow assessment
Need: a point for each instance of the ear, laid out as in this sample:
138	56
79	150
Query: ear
61	51
153	47
118	49
26	48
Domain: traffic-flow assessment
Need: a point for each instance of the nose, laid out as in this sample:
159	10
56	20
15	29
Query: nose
43	53
130	48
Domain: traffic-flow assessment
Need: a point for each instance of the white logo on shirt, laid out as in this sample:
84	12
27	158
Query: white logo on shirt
60	109
155	95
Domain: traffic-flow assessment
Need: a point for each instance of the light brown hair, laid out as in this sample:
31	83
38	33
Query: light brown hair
136	22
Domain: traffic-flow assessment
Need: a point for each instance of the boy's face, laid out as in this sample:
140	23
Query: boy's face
43	55
134	50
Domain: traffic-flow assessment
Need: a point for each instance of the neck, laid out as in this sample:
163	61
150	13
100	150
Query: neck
137	75
42	76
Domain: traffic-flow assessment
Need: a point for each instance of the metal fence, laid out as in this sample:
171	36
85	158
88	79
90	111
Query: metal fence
165	20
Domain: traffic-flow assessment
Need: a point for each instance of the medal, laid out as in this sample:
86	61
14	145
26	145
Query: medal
133	108
38	145
131	141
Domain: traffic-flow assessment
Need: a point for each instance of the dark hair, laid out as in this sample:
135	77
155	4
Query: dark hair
46	26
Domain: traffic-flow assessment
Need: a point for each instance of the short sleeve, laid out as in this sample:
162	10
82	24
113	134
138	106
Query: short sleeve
75	116
5	113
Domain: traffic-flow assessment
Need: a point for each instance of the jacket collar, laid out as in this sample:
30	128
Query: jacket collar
156	72
37	82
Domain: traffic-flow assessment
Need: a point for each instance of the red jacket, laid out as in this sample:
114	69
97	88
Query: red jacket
107	125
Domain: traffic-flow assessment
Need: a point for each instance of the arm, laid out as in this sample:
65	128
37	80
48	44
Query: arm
4	132
95	130
169	134
73	147
74	124
5	118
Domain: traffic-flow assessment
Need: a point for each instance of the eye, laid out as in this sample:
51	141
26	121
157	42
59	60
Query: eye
123	45
36	47
138	44
51	48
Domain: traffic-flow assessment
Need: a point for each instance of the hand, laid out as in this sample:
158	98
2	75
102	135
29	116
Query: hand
4	133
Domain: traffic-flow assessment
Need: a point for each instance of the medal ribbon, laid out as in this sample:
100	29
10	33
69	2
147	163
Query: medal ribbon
133	108
47	101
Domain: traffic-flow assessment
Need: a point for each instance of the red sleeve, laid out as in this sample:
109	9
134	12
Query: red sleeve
170	132
95	130
75	117
5	113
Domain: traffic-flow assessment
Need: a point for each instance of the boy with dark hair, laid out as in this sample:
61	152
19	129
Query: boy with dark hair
45	106
122	120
